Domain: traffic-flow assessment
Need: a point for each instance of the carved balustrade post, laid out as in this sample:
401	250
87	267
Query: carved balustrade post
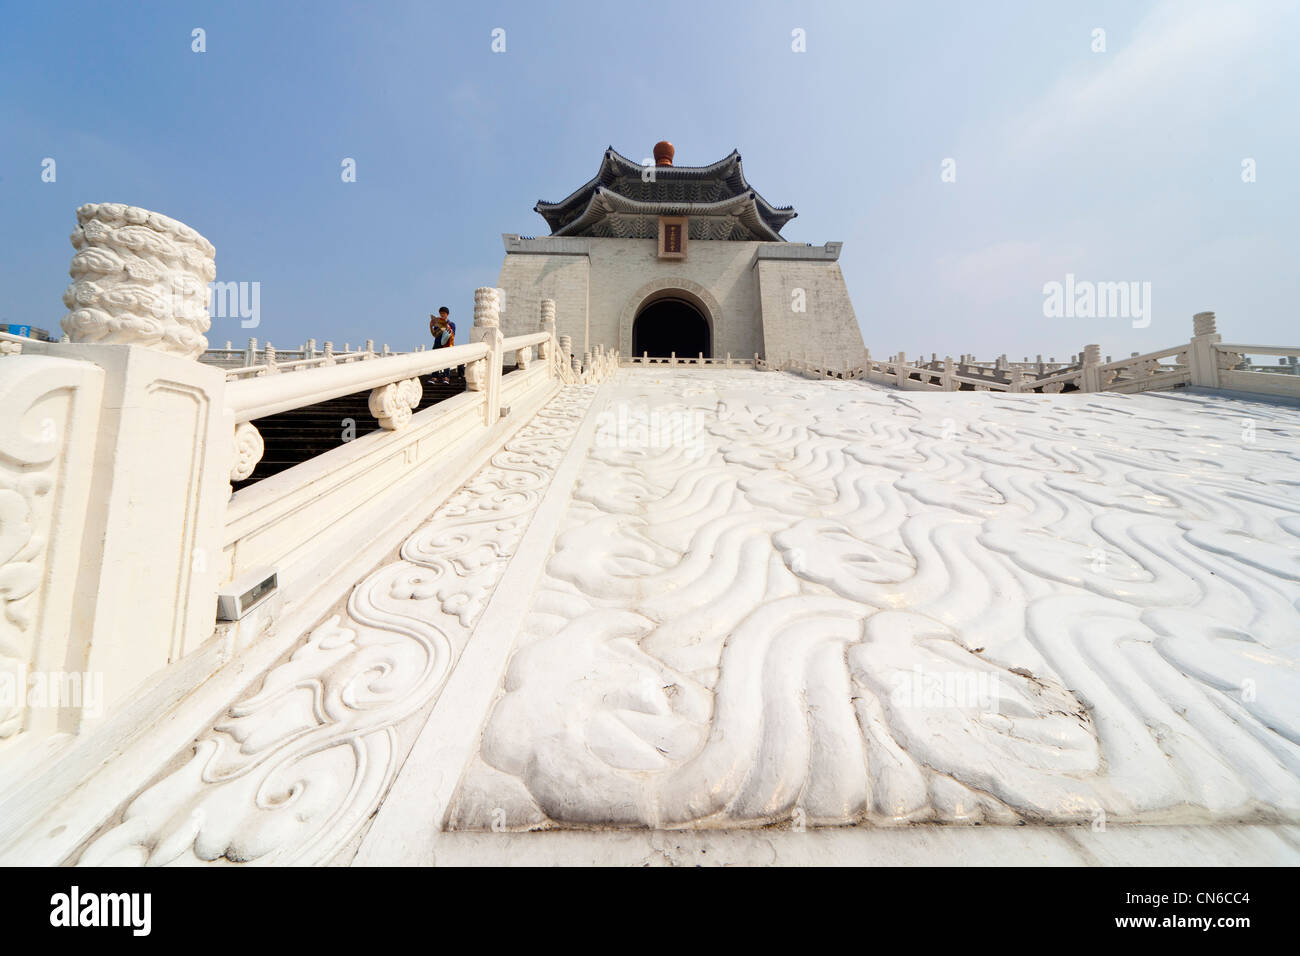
158	483
1202	360
1090	362
548	353
484	375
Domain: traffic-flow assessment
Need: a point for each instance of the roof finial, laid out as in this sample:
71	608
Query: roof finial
663	153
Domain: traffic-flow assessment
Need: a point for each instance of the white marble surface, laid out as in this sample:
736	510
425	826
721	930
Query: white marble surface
703	616
811	603
291	771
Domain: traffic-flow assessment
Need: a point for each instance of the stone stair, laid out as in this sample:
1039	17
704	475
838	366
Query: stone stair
299	434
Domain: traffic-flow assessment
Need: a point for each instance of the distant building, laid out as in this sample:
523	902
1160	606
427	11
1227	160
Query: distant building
686	259
28	331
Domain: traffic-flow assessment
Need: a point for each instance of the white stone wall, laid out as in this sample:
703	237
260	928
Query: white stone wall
528	279
624	269
599	284
826	331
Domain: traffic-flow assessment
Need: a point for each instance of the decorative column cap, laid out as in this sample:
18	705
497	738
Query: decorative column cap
1203	323
487	312
138	278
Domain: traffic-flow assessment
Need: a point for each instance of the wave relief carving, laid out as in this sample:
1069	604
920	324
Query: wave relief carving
292	770
838	604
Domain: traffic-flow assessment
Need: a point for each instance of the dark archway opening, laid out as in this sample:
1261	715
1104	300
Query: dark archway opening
671	325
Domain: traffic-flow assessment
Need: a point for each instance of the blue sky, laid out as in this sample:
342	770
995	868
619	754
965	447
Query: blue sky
1123	165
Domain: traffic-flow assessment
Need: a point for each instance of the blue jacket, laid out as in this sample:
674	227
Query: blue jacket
441	337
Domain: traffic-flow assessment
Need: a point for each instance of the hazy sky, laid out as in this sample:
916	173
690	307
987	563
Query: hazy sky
1122	165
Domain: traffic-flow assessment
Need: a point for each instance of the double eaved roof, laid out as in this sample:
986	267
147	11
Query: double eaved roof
625	199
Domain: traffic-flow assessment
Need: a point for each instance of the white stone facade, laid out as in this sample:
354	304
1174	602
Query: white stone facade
779	300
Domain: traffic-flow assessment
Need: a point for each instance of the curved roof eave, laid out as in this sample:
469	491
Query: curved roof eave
604	202
613	163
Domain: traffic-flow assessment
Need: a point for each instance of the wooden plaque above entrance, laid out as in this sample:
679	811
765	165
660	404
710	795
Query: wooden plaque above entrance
672	237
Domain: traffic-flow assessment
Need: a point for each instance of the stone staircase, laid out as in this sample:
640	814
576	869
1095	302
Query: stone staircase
300	434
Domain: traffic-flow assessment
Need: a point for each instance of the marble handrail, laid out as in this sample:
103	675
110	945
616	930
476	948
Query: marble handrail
256	398
1258	349
516	342
1145	357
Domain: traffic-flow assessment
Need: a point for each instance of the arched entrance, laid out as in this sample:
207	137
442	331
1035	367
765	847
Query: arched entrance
671	324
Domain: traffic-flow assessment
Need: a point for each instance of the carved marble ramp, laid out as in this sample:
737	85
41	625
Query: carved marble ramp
291	772
776	601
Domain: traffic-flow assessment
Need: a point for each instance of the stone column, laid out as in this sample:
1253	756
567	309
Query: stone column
547	352
138	278
949	378
485	374
1202	361
1090	360
152	551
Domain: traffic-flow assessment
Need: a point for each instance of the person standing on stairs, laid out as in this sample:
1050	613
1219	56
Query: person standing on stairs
443	331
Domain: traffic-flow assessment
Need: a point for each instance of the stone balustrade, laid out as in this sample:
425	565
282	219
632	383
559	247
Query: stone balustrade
116	471
1204	362
130	527
262	359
